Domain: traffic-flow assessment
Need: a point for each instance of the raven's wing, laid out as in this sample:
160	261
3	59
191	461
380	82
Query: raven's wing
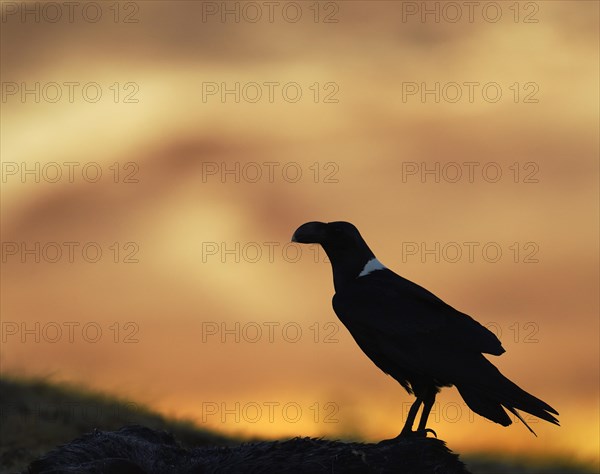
394	319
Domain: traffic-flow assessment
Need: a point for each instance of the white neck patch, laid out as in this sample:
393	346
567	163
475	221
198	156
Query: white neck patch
371	266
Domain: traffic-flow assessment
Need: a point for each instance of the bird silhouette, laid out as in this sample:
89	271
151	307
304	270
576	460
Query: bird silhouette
412	335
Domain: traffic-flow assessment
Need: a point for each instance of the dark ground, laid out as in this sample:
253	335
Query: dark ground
136	449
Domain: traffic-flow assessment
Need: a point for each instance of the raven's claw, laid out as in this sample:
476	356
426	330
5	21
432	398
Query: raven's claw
418	433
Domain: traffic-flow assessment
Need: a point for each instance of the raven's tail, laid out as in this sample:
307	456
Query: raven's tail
492	392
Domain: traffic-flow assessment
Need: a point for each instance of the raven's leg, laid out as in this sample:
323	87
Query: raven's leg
428	401
410	419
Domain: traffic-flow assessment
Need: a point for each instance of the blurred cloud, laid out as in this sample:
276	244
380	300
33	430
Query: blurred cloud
185	175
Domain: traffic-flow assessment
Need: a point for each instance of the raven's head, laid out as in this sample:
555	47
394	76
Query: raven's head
338	233
343	244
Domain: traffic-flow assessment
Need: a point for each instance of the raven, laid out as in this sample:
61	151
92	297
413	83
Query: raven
415	337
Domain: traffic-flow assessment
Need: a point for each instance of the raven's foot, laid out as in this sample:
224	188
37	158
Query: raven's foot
416	434
408	435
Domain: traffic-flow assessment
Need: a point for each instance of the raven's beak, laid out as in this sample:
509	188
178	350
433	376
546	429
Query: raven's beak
310	233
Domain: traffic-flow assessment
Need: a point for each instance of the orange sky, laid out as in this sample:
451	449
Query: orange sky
367	144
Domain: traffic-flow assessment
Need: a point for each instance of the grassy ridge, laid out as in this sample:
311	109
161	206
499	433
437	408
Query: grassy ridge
37	415
498	464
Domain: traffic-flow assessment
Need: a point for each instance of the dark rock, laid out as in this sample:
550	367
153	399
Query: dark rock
137	450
